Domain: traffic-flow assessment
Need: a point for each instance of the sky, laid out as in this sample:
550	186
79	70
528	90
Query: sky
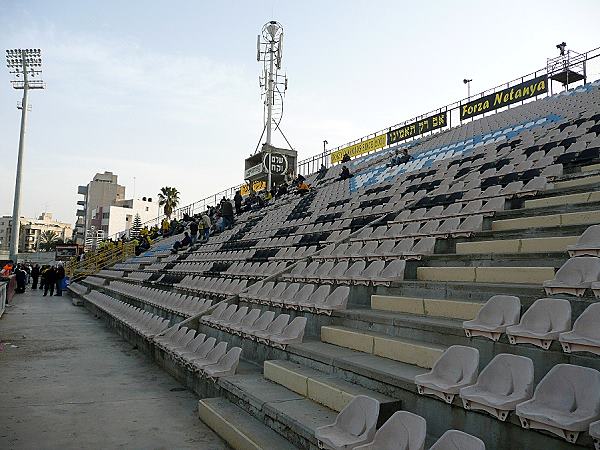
167	94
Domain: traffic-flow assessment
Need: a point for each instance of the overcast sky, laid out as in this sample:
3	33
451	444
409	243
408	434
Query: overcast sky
167	92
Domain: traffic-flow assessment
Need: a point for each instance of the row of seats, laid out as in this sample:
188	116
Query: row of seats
355	428
218	287
138	320
111	273
565	402
408	248
199	353
546	320
377	273
185	305
265	328
255	269
298	296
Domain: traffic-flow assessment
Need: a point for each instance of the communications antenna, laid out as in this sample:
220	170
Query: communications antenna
23	64
269	50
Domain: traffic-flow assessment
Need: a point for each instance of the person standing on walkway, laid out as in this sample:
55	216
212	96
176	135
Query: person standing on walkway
49	280
193	231
21	276
35	275
60	276
237	199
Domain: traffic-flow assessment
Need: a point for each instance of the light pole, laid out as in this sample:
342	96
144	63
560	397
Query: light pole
22	63
468	83
324	150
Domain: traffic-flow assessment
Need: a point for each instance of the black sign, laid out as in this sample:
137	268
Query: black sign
505	97
416	128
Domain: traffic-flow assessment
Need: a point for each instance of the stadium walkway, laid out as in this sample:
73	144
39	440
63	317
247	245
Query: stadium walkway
67	382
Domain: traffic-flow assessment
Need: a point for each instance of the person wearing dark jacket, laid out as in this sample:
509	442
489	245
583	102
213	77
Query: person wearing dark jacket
346	158
35	275
49	277
345	174
186	241
405	157
237	199
21	276
194	231
60	275
226	213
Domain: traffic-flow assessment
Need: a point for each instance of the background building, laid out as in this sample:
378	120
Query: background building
102	191
119	217
31	229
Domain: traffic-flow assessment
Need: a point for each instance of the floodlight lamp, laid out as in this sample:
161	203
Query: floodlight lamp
465	81
561	47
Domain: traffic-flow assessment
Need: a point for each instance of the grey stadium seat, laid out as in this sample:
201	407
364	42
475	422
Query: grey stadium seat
542	323
226	366
456	368
292	333
458	440
585	336
353	426
404	430
565	402
499	312
588	243
506	381
575	276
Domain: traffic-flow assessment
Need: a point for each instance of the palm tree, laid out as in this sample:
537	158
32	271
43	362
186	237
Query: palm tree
48	240
169	198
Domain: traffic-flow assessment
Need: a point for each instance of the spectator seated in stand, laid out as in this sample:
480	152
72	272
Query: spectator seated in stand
345	174
303	188
346	158
398	159
394	160
282	190
185	242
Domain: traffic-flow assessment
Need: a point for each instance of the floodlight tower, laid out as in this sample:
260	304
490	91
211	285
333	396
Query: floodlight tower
269	50
23	63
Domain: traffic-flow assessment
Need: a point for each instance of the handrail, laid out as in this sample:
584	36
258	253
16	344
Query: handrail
99	260
312	163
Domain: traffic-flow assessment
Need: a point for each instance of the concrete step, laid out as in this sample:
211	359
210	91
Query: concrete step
516	275
291	415
550	220
560	200
238	428
452	309
405	350
327	390
518	246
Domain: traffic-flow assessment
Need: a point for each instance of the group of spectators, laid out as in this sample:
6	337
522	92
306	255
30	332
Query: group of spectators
47	277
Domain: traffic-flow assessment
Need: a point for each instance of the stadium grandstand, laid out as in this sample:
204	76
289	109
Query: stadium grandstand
443	302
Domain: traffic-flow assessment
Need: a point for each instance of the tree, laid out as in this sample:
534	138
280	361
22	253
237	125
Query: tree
48	240
136	226
168	197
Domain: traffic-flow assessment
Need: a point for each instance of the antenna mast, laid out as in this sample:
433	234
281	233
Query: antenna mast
269	50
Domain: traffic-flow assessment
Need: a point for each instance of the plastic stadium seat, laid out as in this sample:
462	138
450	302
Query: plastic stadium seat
353	426
425	246
565	402
301	296
404	430
458	440
595	434
286	295
212	357
574	277
499	312
227	364
246	321
235	319
260	324
201	351
191	348
542	323
588	243
456	368
292	333
223	318
337	300
585	336
317	297
371	271
275	327
393	272
357	268
505	382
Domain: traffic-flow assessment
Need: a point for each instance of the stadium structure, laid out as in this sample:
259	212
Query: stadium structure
448	302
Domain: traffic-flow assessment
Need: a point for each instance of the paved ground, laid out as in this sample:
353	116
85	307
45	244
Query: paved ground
67	382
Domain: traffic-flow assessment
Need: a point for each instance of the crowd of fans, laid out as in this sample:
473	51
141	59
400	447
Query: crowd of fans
46	277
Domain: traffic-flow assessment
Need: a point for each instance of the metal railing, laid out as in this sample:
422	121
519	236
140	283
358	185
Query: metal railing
3	288
311	164
98	260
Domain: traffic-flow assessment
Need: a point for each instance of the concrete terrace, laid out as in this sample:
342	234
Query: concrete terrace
71	383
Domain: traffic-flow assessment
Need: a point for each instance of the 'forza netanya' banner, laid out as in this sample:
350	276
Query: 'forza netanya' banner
505	97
